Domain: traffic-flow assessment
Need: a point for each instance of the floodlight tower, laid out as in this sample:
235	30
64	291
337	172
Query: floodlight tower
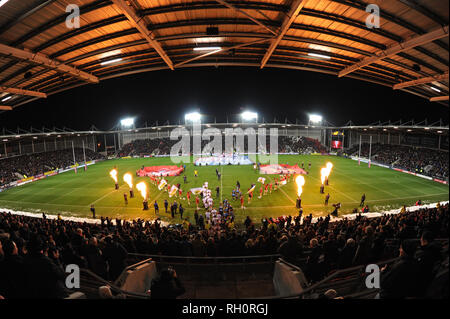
248	116
127	123
193	117
196	119
315	119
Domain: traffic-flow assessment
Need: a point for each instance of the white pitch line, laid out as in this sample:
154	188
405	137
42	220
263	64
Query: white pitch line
279	187
221	183
257	207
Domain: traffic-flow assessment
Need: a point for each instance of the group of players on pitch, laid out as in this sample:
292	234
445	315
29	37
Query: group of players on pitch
236	194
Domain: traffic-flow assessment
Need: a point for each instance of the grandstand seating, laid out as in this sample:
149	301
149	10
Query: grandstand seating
162	146
418	160
333	245
18	167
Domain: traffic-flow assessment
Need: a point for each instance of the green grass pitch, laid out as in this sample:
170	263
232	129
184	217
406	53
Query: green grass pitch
72	194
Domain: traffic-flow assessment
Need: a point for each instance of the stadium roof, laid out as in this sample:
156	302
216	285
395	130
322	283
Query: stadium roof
40	55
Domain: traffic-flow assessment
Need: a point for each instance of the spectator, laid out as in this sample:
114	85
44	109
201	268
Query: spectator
167	286
401	279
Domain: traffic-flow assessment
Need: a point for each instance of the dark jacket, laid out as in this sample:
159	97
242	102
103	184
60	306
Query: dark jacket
401	280
45	280
427	257
162	289
115	254
12	278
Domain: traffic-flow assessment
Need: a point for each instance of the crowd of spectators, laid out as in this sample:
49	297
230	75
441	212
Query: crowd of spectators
36	249
18	167
163	146
418	160
300	145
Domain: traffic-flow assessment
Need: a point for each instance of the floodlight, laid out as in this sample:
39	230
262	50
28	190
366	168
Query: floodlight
435	89
314	118
193	117
322	56
248	116
2	2
207	48
111	61
128	122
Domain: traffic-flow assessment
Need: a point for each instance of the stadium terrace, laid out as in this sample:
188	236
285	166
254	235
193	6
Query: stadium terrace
222	164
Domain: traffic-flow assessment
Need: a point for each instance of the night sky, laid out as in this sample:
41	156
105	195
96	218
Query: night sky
220	93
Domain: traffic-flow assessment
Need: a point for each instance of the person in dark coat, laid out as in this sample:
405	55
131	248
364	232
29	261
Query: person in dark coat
400	280
181	210
44	279
167	286
196	217
12	281
115	255
347	254
166	205
95	259
428	256
363	253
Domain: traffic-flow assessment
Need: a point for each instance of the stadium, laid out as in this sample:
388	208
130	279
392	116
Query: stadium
197	202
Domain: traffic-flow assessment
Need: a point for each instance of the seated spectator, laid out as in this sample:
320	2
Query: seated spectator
428	257
44	279
400	280
12	286
167	286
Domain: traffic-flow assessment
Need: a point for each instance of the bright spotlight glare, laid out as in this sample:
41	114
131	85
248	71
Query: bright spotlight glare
207	48
322	56
127	122
111	61
248	116
194	117
313	118
2	2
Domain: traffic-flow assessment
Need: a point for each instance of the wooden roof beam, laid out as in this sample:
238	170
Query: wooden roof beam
22	92
221	50
140	25
5	108
425	80
436	34
296	7
439	98
232	7
42	59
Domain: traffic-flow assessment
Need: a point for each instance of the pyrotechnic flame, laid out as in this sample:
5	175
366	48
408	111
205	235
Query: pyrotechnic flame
128	179
300	180
329	167
323	174
113	175
142	188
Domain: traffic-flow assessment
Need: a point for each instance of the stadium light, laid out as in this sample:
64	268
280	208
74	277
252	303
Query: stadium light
315	119
111	61
207	48
127	122
2	2
249	116
193	117
322	56
435	89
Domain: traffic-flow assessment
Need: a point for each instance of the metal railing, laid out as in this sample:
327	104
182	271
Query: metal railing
352	277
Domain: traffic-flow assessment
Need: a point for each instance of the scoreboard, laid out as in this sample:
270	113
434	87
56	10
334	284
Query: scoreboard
337	139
